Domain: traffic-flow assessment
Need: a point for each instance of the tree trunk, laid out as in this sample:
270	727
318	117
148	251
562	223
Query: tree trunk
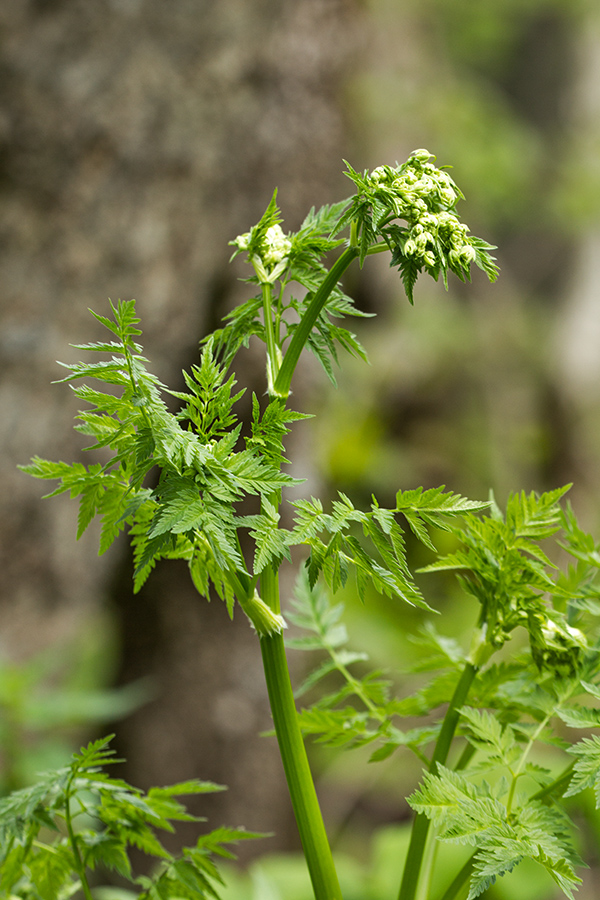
137	138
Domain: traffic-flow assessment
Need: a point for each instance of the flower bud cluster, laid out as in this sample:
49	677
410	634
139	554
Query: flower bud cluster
271	259
558	647
425	197
275	246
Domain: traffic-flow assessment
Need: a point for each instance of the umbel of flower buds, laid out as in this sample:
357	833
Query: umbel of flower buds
425	197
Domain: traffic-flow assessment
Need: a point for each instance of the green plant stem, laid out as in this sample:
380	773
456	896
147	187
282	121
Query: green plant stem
517	773
293	754
442	747
460	880
272	358
559	781
420	829
303	794
77	860
307	322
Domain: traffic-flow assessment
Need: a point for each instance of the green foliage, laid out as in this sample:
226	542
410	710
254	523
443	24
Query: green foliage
191	512
297	263
509	573
78	820
475	815
194	485
384	563
497	800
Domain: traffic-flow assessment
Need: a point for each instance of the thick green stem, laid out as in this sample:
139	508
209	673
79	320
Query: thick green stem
420	829
306	324
283	708
293	755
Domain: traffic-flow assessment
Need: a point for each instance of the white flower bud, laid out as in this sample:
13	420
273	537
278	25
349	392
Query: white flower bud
422	240
275	245
378	175
242	241
421	154
424	185
448	196
447	220
429	220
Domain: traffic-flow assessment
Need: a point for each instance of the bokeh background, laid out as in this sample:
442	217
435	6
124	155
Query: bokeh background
137	138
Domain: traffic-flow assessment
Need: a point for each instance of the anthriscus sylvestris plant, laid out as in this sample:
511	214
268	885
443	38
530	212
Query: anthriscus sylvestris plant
175	483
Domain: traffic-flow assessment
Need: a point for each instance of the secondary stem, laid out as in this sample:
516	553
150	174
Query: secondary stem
516	774
293	755
272	348
79	866
460	880
420	829
306	324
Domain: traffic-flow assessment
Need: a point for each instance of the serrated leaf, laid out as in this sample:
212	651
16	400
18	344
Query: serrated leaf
586	773
272	543
580	717
486	732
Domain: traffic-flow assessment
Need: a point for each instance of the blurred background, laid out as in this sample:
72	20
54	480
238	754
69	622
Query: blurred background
136	139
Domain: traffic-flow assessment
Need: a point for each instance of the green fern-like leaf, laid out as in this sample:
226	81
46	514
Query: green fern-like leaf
466	813
271	541
586	773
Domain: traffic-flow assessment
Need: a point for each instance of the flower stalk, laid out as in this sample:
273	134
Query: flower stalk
301	334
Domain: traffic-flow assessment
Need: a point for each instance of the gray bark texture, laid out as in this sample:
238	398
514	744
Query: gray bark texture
136	138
